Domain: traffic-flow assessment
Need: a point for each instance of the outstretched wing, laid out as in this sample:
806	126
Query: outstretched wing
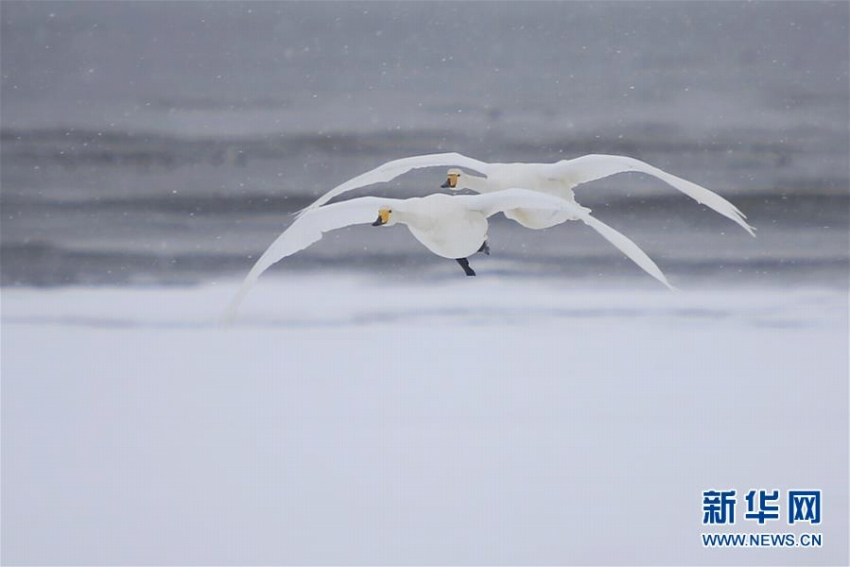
596	166
500	201
489	204
627	247
395	168
306	230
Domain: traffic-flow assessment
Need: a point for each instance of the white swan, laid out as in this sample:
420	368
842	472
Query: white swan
449	226
554	178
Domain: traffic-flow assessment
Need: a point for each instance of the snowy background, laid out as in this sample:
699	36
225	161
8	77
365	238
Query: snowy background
370	405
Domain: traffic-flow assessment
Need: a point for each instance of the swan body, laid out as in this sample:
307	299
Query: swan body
449	226
557	178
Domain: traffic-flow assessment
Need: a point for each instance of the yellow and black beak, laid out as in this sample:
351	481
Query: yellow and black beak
383	217
451	181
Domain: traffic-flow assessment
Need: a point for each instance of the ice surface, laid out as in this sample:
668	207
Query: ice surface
349	419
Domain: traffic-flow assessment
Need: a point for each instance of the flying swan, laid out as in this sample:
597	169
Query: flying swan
553	178
453	227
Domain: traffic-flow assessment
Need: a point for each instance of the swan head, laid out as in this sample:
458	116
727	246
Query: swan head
453	180
385	217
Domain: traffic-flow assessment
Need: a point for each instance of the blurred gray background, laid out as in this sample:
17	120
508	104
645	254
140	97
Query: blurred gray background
154	142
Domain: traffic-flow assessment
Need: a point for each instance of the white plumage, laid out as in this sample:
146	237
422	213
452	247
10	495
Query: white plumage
553	178
449	226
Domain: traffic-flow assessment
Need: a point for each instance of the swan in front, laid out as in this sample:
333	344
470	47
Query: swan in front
451	226
559	178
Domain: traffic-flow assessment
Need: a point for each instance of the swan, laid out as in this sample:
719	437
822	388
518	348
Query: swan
557	178
451	226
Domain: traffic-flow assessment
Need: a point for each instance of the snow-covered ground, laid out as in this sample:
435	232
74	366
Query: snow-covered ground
345	419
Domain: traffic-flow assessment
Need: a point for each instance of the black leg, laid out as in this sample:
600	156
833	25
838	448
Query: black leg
485	248
464	263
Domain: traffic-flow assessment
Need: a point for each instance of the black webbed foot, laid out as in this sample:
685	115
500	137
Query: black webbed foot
464	263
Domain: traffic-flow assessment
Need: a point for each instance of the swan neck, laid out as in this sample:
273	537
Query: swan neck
410	218
475	183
